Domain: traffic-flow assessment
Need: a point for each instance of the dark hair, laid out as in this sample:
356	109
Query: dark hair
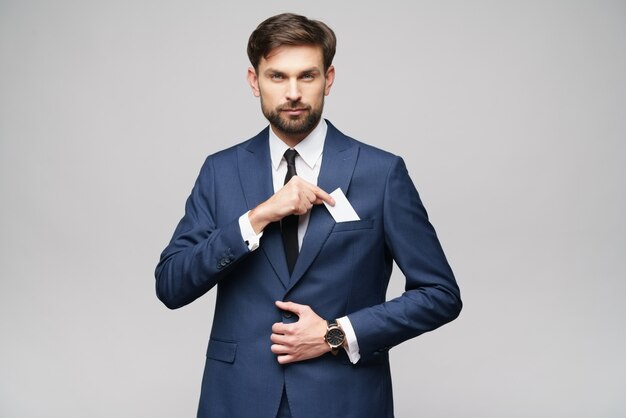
290	29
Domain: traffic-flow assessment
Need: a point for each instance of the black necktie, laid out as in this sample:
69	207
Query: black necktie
289	224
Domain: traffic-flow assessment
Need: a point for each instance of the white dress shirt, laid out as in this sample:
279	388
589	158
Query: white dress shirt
308	163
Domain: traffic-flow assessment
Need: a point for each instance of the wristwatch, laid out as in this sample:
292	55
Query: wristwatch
334	336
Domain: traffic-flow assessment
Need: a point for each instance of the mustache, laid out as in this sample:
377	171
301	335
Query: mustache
294	105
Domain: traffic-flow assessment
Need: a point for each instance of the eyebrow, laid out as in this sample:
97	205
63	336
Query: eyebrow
309	70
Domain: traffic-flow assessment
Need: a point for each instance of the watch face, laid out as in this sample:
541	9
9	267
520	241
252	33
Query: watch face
335	337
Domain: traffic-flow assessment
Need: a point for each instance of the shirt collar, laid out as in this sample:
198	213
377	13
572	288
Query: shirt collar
310	148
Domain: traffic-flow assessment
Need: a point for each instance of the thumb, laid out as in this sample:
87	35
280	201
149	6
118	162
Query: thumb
291	307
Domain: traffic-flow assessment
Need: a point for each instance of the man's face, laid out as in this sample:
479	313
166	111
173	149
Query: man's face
292	84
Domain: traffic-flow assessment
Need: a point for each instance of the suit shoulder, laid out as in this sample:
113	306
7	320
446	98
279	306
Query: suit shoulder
373	156
227	155
366	150
376	152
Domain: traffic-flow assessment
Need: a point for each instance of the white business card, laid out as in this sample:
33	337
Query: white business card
343	210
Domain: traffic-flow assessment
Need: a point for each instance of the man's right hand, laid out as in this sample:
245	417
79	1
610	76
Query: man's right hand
296	197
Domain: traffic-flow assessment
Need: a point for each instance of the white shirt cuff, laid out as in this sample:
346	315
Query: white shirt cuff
353	345
247	232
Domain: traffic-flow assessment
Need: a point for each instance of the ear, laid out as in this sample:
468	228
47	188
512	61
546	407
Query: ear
254	82
330	79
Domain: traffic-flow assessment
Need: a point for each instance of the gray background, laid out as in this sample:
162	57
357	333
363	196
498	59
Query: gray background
511	117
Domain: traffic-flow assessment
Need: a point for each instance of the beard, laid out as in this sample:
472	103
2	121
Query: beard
297	125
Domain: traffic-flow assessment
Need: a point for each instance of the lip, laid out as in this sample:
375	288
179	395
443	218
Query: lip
294	111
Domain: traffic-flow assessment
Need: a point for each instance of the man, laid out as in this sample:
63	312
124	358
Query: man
301	327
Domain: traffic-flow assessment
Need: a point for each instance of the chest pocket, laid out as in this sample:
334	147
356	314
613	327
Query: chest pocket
353	225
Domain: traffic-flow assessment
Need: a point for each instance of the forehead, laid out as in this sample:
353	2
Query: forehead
293	58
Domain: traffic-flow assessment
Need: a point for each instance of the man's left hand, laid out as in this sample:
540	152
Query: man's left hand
300	340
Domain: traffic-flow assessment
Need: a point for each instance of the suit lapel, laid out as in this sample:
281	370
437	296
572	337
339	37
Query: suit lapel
255	174
338	161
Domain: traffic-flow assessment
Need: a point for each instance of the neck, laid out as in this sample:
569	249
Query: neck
290	139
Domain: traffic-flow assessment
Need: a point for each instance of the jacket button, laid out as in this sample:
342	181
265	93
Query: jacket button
287	314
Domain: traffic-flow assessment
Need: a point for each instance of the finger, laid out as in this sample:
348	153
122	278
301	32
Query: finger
322	196
279	339
279	349
279	328
284	359
291	307
309	198
306	205
299	180
303	204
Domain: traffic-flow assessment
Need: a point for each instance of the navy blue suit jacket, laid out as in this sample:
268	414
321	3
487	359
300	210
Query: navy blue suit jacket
343	269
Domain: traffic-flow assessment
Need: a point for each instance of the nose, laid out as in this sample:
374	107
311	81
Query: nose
293	91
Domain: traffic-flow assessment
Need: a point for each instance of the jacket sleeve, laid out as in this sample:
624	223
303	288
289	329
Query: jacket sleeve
201	253
431	296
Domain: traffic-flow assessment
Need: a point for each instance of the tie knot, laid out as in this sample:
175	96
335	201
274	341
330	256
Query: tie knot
290	156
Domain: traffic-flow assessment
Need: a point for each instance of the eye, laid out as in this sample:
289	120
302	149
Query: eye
276	76
308	76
